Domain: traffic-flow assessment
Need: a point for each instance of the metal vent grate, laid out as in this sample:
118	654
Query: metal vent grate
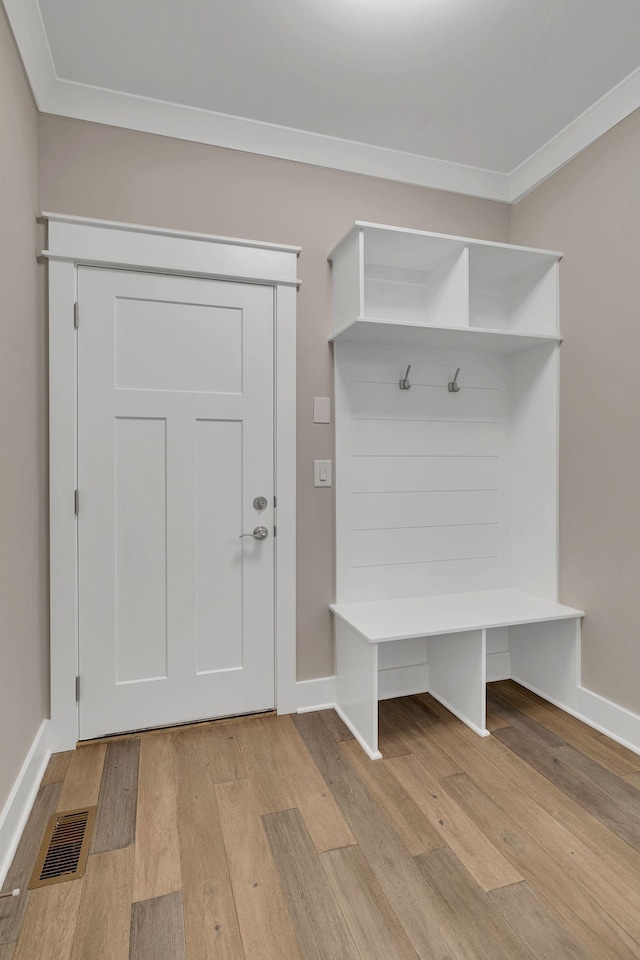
65	848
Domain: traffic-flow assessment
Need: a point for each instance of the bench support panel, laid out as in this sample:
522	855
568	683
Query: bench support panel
357	687
458	676
545	657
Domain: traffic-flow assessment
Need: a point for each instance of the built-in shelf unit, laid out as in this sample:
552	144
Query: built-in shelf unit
446	484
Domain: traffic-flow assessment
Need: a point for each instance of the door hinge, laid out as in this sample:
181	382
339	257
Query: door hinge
77	689
76	502
275	501
275	530
76	317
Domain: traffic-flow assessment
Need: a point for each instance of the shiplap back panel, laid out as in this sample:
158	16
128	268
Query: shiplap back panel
422	482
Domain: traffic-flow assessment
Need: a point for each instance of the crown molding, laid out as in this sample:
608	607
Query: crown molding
621	101
98	105
111	107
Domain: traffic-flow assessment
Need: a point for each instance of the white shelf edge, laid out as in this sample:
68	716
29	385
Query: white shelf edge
469	241
473	331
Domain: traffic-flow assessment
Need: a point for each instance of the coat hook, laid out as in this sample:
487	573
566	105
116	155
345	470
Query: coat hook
404	383
453	386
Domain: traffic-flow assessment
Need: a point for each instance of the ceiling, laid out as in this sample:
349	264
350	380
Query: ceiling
418	90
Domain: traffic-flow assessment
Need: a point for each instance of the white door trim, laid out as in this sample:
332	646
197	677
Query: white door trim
75	241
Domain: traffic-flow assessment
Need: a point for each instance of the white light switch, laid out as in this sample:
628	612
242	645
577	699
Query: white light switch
321	410
322	473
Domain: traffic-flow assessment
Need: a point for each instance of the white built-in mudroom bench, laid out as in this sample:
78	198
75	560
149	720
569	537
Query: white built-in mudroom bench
446	382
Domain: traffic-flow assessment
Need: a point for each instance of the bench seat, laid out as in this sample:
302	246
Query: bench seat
455	626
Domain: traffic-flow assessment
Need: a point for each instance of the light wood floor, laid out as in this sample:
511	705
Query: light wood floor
277	839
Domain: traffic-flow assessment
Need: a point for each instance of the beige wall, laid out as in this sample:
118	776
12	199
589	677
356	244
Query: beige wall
110	173
23	451
591	211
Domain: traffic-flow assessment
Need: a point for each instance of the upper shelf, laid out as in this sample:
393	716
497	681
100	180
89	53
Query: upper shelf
368	330
419	278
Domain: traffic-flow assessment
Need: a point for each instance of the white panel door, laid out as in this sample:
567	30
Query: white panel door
175	441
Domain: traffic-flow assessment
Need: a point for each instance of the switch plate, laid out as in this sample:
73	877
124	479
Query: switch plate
322	473
321	410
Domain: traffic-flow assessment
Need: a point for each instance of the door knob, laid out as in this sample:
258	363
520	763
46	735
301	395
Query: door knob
260	533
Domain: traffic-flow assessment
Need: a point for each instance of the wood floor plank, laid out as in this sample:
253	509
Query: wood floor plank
536	925
497	686
421	728
634	780
390	741
520	790
401	810
320	812
556	765
556	721
425	917
50	922
321	929
492	936
115	825
613	786
608	886
225	757
102	931
606	881
81	784
622	751
494	720
266	926
211	923
12	909
272	792
157	856
336	725
481	858
588	923
56	768
411	719
375	929
157	929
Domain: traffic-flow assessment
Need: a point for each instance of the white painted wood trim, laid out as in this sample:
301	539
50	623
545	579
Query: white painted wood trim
98	243
74	241
83	102
123	226
620	102
15	813
359	225
63	480
285	485
97	105
319	694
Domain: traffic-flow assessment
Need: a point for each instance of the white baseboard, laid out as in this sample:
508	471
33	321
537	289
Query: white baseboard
604	715
617	722
21	799
317	694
